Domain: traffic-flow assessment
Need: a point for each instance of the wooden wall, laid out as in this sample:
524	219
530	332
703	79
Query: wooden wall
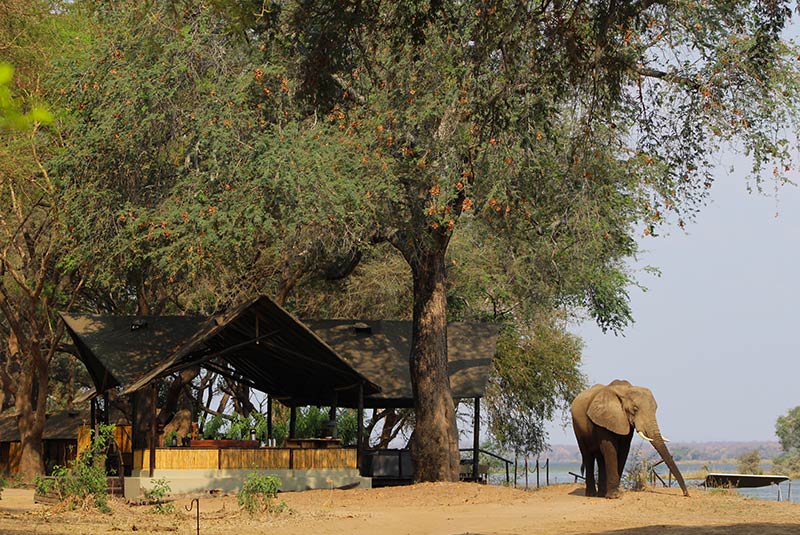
10	453
247	459
122	434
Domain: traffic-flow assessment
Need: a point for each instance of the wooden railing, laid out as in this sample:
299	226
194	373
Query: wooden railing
247	459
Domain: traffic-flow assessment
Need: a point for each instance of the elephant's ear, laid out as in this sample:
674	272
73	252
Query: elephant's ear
606	411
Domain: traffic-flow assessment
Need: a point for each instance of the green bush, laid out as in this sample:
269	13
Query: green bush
157	493
84	483
788	463
750	463
258	494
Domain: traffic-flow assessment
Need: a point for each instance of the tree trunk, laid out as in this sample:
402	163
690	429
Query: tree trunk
435	445
31	406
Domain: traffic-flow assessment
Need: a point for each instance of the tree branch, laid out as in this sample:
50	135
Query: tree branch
668	77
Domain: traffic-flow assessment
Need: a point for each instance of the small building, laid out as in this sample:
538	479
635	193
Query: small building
66	434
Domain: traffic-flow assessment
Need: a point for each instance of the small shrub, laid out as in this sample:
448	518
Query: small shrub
155	494
258	494
750	463
170	439
635	476
3	484
84	483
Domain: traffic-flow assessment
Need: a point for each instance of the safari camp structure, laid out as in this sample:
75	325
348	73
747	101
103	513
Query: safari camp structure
329	363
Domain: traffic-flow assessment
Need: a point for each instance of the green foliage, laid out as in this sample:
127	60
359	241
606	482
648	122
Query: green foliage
750	463
788	463
11	115
84	483
212	427
169	437
155	494
258	494
310	423
787	427
535	372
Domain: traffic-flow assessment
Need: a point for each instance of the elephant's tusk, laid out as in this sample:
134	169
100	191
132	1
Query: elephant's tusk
665	439
644	436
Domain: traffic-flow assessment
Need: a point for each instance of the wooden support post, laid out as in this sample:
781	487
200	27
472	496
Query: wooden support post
269	417
476	439
93	415
106	409
134	420
292	422
332	411
153	430
360	428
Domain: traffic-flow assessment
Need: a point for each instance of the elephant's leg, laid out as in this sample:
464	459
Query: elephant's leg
588	466
623	450
611	471
602	478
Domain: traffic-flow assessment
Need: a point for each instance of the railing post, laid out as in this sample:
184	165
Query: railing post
547	471
515	470
269	417
360	428
153	432
476	431
526	472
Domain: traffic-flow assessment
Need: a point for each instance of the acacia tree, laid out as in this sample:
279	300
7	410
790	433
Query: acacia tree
558	127
549	133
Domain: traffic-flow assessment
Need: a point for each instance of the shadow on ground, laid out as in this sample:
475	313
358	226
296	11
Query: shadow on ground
730	529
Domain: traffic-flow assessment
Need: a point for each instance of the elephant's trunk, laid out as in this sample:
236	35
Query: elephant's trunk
658	443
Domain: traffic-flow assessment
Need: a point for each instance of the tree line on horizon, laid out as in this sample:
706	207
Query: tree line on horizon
482	161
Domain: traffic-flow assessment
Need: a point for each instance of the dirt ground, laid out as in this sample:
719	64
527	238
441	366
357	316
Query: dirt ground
432	508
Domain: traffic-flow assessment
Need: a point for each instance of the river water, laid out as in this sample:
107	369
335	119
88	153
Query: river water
560	473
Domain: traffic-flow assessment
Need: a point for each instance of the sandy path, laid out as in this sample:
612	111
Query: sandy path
449	509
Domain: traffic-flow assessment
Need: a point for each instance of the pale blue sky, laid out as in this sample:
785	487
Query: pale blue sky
717	336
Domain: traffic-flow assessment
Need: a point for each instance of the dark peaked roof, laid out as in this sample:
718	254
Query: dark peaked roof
117	350
58	426
380	351
262	345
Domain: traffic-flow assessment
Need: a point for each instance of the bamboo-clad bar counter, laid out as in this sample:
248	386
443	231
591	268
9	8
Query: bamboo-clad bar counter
247	459
203	469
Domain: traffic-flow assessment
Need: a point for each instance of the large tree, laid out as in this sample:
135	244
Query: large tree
562	128
530	141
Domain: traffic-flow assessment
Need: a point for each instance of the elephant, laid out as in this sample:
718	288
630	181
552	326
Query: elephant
604	418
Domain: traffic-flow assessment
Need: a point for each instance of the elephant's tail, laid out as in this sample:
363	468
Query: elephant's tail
583	468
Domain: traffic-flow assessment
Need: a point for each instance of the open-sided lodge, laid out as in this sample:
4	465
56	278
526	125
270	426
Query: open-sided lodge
331	363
